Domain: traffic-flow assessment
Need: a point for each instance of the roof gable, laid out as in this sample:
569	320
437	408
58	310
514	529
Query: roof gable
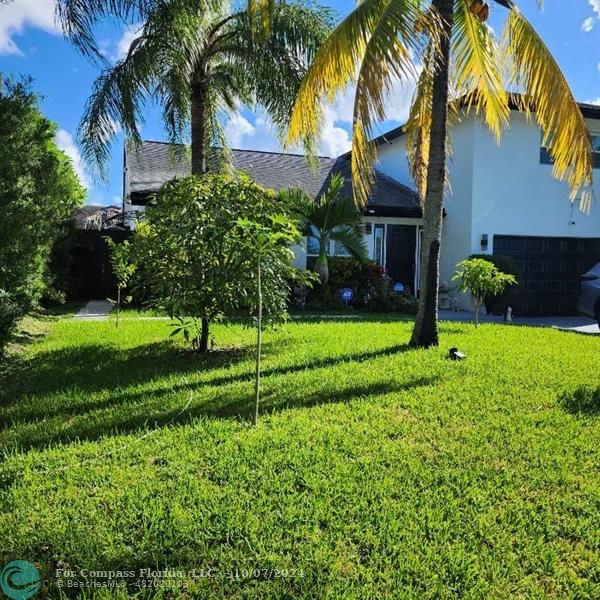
154	163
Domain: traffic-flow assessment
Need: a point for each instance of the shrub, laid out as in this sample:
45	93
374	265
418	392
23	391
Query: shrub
371	286
481	278
9	315
39	193
498	303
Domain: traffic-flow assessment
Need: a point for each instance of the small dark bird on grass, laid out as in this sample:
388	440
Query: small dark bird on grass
456	354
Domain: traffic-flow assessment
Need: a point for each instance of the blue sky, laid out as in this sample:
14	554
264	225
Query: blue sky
30	44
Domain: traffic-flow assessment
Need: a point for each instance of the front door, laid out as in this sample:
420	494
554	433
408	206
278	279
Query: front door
401	243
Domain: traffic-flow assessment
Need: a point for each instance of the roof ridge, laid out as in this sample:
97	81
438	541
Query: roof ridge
166	143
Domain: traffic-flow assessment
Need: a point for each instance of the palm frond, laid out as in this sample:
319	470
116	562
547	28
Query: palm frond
276	63
352	239
477	72
418	125
334	66
387	58
78	19
547	95
300	204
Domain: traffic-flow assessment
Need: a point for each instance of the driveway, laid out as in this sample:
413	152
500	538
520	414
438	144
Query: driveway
95	310
576	324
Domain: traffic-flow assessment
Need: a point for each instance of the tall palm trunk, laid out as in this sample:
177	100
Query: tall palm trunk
198	121
322	266
425	332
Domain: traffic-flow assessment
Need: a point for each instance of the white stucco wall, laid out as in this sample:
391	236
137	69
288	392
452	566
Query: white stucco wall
514	194
499	190
457	225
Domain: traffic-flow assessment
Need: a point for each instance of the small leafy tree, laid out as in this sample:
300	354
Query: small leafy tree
482	278
194	259
270	244
123	268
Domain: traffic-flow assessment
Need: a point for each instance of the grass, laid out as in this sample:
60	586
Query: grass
375	471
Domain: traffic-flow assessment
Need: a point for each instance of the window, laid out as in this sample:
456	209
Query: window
546	159
312	245
378	248
339	249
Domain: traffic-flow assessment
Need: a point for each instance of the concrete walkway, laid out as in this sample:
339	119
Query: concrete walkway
95	310
576	324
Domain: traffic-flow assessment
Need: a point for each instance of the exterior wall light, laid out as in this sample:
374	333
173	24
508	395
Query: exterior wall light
484	242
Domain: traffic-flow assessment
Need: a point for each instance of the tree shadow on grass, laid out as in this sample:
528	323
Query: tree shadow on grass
584	401
97	367
129	410
128	396
238	405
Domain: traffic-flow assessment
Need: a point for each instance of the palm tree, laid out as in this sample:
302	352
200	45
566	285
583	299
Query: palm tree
198	60
333	217
463	65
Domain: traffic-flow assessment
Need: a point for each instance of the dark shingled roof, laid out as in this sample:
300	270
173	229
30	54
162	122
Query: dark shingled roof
589	111
154	163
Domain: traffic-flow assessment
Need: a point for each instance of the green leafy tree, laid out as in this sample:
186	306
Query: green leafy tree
463	63
270	244
197	60
123	267
193	257
482	279
333	217
39	193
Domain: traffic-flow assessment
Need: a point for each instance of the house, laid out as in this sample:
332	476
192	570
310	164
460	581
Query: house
503	200
391	220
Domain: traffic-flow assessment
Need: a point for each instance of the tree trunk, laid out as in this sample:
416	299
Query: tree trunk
118	305
203	345
198	125
425	332
321	266
258	347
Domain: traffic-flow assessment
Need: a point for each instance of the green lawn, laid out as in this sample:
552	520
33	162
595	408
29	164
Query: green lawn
375	472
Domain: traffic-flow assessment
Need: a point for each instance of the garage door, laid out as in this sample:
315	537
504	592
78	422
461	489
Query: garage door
550	268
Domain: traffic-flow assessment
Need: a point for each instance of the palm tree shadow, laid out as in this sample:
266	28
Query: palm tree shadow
137	409
223	405
583	401
104	367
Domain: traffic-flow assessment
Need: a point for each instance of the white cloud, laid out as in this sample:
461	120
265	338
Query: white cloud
588	24
129	34
238	128
336	134
64	140
115	50
16	16
335	140
596	101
